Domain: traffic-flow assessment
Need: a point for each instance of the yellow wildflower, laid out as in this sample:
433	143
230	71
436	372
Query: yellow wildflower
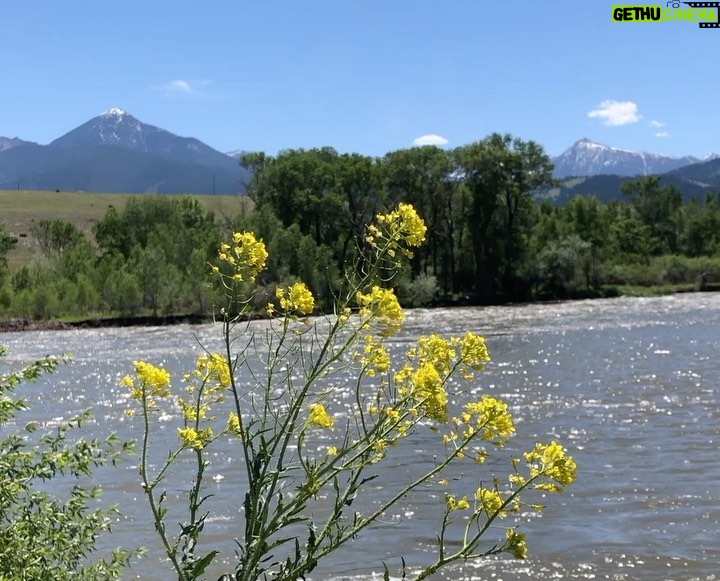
474	351
213	367
551	460
516	544
436	350
344	317
319	417
247	256
381	306
152	382
429	391
400	226
376	358
156	378
492	417
392	414
379	446
233	424
296	298
192	438
491	502
454	504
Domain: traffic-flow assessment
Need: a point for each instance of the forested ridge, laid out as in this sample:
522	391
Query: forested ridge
488	240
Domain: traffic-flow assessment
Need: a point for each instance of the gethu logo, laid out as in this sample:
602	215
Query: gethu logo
704	13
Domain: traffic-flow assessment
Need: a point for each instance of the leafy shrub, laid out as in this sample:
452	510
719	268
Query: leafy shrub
44	536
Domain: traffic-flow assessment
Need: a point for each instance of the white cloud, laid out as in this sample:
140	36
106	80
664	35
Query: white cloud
662	134
431	139
616	112
657	124
177	87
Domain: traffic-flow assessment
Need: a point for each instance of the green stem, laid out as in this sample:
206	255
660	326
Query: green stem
149	490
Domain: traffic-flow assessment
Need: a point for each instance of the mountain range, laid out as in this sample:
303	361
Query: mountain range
589	158
591	168
115	152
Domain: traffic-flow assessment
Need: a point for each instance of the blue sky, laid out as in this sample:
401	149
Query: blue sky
365	76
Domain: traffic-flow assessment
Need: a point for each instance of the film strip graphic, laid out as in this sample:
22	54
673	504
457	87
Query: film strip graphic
715	5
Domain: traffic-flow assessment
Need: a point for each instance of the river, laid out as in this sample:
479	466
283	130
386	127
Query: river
629	385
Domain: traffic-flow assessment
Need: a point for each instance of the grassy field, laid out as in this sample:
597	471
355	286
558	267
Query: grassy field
20	209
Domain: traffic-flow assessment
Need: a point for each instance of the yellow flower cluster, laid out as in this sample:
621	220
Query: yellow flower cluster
474	351
213	367
489	417
151	382
319	417
196	439
516	544
398	229
426	387
376	357
213	376
233	424
191	412
551	460
436	350
295	298
381	306
455	504
246	255
491	502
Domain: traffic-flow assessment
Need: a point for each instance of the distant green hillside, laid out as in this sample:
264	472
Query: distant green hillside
695	181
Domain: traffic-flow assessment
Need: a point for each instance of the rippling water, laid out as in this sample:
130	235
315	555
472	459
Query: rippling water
629	385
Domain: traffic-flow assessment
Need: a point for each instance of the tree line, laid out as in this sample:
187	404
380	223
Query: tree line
488	239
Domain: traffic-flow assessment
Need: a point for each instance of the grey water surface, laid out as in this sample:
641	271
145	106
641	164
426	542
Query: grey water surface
629	385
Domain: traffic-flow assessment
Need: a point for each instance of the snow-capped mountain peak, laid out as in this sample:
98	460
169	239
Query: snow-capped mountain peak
114	112
117	128
590	144
587	157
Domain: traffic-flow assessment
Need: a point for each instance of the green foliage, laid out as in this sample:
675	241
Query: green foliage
424	177
7	243
665	271
500	174
420	291
45	536
122	292
564	265
655	206
55	236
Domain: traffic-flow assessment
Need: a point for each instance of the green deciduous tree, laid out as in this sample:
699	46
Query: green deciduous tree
7	243
56	236
500	173
427	178
656	206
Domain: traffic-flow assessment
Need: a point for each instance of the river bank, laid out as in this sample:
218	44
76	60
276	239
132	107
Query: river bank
18	324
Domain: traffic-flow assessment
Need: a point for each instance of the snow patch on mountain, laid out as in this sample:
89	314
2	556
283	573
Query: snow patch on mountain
587	157
114	112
